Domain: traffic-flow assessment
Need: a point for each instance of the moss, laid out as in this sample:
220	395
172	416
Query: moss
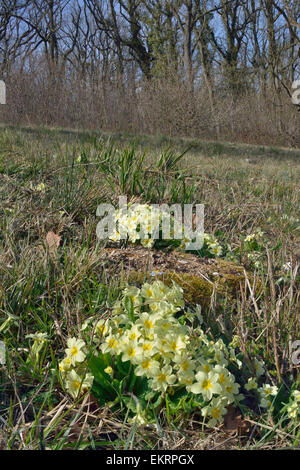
195	289
226	276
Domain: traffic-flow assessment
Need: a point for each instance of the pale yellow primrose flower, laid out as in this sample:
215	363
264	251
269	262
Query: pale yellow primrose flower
207	385
75	350
220	358
163	326
251	384
186	368
265	403
130	352
147	242
40	187
111	344
186	378
158	293
134	294
186	365
65	365
163	379
108	370
296	396
147	322
293	410
163	308
116	237
267	392
133	334
259	367
147	366
224	375
148	348
215	249
205	367
215	410
231	391
117	308
166	356
250	238
147	291
102	328
76	384
176	343
39	340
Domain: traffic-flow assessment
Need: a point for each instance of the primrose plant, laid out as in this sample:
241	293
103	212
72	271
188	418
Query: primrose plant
154	346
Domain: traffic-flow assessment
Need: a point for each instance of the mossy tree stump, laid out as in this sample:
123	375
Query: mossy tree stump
202	279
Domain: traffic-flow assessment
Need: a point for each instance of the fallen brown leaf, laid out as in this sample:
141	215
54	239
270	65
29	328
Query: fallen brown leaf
51	242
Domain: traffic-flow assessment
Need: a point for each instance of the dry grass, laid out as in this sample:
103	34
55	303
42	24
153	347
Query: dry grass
242	189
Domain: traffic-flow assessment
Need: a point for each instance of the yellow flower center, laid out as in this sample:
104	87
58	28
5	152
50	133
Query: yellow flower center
188	381
147	347
184	366
215	413
222	378
148	324
74	351
112	343
206	384
162	378
131	352
146	364
76	384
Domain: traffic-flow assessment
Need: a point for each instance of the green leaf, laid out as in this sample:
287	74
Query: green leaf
129	307
102	386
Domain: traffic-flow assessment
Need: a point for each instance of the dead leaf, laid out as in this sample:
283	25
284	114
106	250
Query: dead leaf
51	242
